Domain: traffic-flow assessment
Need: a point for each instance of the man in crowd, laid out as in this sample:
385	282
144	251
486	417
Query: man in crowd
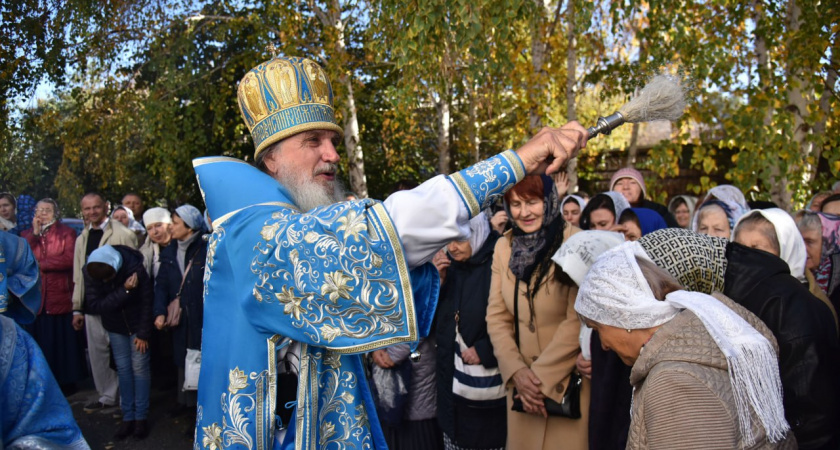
100	230
289	259
133	202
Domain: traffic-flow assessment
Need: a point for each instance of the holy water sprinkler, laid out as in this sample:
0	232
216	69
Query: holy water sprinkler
661	99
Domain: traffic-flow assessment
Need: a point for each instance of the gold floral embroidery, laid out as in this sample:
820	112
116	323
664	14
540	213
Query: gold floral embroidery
269	231
335	285
352	224
287	297
329	332
240	399
336	404
327	431
321	276
238	381
212	437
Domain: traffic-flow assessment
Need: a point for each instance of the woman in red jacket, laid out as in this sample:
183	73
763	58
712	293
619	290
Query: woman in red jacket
53	244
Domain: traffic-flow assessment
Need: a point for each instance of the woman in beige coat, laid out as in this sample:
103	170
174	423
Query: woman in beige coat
540	366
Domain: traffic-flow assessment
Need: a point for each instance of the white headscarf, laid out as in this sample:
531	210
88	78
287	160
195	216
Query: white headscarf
156	215
133	225
791	245
615	293
580	201
575	257
579	252
479	230
619	202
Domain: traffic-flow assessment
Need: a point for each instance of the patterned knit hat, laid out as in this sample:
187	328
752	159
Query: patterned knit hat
629	172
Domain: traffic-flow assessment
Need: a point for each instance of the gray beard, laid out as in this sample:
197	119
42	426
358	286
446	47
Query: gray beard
308	194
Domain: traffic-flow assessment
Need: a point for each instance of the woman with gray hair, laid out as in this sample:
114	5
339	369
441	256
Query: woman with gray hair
53	244
706	360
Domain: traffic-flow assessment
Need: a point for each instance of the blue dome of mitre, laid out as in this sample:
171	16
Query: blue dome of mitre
230	184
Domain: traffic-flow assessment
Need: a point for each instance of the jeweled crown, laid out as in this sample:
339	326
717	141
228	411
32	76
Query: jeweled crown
285	96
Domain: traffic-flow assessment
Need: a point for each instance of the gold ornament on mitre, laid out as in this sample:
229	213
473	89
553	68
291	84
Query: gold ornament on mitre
285	96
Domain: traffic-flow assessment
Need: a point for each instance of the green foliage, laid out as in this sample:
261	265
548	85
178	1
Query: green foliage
144	87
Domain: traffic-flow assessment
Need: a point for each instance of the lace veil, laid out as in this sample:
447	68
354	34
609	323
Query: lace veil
615	293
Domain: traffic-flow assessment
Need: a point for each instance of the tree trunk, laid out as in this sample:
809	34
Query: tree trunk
539	55
797	102
825	103
352	140
633	148
443	124
475	126
779	193
571	87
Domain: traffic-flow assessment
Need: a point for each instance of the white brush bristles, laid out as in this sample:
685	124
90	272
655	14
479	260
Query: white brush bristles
662	98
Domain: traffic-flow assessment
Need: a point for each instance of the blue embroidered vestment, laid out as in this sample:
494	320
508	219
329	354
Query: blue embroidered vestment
334	279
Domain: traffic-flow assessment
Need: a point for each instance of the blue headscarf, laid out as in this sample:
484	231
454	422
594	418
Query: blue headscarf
106	255
649	220
191	216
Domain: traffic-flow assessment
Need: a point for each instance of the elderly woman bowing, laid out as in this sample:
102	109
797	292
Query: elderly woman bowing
704	370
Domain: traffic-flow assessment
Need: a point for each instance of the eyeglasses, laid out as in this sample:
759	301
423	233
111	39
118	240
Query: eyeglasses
43	210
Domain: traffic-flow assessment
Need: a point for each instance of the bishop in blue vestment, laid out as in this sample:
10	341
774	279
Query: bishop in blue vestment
342	278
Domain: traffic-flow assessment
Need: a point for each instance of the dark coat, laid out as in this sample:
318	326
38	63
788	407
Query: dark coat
809	353
122	311
54	251
188	332
662	210
466	290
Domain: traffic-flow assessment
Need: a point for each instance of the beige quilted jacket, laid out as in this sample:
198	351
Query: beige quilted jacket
683	397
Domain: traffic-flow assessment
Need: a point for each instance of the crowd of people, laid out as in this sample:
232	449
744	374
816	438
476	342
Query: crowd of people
463	313
122	289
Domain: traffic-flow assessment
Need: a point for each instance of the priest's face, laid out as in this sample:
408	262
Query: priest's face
306	164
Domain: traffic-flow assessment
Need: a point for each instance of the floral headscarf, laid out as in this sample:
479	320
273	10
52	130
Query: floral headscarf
528	249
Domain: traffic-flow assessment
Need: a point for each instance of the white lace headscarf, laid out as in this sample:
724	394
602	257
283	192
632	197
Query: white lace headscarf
580	250
615	293
791	245
620	204
575	257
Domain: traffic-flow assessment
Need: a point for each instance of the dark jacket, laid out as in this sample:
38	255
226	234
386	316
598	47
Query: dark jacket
809	353
188	332
54	251
123	312
466	290
662	210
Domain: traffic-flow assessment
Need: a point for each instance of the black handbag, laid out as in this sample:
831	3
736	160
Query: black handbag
569	407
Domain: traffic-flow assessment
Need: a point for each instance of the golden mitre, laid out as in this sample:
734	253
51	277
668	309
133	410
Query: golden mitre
285	96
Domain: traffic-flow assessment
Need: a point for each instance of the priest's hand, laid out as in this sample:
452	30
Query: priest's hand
552	148
160	322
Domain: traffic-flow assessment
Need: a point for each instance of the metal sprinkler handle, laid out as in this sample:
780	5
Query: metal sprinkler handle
606	124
